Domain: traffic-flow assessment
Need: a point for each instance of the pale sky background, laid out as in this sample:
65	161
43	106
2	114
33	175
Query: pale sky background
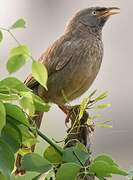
46	20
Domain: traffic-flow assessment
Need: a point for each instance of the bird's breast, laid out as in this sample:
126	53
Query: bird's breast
86	68
77	76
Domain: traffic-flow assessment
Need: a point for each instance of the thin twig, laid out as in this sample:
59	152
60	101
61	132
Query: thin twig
9	31
14	37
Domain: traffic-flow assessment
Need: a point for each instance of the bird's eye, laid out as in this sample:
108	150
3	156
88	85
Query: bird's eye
94	13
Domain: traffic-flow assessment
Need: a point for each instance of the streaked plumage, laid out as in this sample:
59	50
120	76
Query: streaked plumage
74	59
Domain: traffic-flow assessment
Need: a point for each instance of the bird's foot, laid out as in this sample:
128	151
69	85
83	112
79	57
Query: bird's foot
71	112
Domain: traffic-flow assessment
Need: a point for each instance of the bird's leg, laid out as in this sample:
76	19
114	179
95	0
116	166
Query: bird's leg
79	129
69	111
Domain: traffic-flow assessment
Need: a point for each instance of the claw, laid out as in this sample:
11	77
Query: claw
68	118
69	111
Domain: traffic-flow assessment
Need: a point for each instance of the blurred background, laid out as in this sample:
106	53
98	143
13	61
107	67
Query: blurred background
46	20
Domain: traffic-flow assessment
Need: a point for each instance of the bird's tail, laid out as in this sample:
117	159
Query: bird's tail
31	83
38	120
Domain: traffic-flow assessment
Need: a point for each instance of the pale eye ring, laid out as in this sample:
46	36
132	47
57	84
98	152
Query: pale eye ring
94	13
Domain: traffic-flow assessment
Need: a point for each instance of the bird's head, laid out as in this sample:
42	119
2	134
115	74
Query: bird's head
94	17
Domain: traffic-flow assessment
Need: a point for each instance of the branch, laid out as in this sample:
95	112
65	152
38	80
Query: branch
49	142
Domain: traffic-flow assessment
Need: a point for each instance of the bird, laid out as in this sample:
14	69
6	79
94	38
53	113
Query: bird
74	59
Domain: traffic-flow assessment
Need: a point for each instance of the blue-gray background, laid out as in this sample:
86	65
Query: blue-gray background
45	22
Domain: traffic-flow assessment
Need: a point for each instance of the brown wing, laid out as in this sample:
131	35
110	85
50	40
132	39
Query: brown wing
30	82
54	58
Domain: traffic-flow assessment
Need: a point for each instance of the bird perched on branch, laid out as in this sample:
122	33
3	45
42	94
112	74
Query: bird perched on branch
74	59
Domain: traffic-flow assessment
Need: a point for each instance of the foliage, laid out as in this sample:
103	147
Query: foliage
39	72
18	132
17	58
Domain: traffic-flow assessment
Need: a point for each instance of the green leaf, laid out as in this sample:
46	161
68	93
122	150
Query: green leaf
39	72
12	136
4	89
119	171
75	155
6	159
106	158
28	138
81	147
103	125
16	112
102	106
27	103
92	94
34	162
15	63
100	168
2	116
37	177
20	50
13	83
12	120
40	105
52	155
8	97
2	177
68	171
104	166
17	58
1	36
20	23
102	96
82	107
